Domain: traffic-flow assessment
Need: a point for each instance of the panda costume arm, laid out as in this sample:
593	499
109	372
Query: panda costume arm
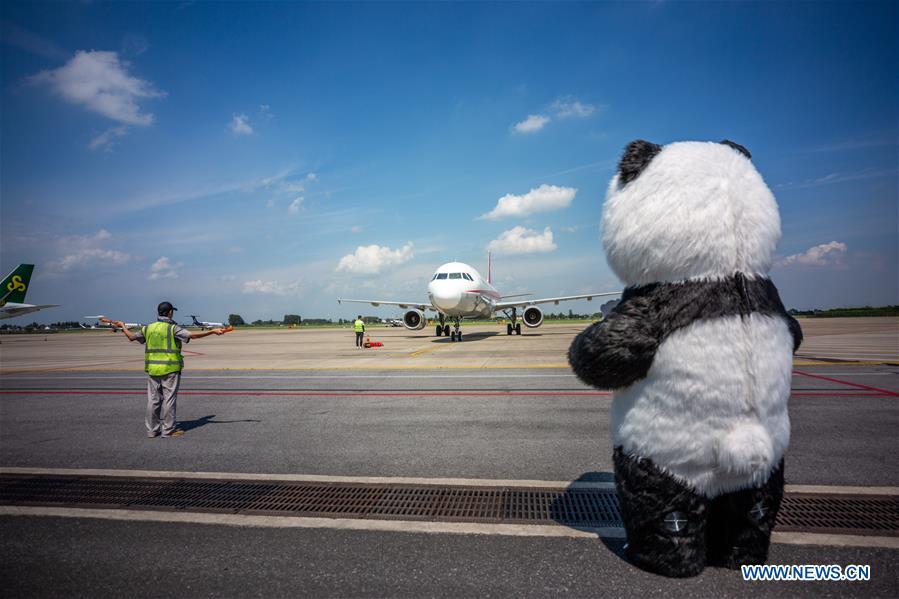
619	350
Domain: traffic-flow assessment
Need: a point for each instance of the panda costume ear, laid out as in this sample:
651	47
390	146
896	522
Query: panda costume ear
738	148
637	156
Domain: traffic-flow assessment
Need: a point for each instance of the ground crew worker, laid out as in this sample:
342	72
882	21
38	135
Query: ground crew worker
163	363
359	327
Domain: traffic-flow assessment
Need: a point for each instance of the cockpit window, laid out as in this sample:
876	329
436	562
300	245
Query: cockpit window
441	275
467	276
455	275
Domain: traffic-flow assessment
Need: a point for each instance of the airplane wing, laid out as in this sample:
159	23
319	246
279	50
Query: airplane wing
9	312
376	303
551	300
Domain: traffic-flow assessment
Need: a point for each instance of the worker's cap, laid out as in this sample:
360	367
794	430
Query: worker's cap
164	308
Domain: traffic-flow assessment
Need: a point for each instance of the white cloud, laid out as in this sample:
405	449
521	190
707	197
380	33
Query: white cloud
542	199
532	124
270	287
295	206
108	138
240	125
370	259
826	254
164	269
519	240
356	229
311	177
88	257
84	250
569	107
266	111
100	82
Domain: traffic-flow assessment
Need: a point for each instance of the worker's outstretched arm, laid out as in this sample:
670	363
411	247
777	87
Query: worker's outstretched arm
199	334
118	323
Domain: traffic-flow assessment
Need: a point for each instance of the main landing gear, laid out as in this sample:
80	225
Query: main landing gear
514	325
443	328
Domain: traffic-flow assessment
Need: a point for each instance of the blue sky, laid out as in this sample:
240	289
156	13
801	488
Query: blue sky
268	158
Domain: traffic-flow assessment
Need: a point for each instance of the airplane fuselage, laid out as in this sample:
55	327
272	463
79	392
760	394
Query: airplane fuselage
458	291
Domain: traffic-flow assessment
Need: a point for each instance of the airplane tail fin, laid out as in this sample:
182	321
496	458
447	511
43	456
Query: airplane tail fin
14	286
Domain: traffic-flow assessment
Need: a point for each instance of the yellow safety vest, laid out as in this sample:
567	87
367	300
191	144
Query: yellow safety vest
161	354
359	326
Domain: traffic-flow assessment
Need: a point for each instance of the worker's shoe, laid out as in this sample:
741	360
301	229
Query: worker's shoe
175	433
152	435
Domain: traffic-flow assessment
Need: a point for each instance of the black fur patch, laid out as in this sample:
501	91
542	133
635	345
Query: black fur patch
619	350
637	155
742	150
738	531
650	500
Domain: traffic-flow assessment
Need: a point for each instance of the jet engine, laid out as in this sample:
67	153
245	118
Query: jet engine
415	320
533	317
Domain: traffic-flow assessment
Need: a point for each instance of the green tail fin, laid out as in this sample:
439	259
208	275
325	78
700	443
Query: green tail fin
14	286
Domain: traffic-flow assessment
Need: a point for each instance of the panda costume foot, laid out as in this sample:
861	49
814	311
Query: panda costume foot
738	530
664	519
676	532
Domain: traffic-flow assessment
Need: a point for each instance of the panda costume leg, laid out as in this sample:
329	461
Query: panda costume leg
738	530
664	519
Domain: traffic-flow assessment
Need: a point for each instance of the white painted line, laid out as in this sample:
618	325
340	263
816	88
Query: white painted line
830	540
841	490
385	480
466	528
515	530
340	376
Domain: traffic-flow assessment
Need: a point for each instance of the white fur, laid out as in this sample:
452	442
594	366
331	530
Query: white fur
699	210
712	410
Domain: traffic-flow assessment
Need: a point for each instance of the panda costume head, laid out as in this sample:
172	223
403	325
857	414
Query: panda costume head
699	353
688	210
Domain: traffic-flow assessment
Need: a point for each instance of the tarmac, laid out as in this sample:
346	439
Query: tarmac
306	403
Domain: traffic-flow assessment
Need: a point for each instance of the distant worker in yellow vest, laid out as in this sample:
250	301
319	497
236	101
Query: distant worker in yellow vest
359	327
163	363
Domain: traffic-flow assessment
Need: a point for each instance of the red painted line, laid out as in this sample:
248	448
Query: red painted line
316	394
803	394
858	385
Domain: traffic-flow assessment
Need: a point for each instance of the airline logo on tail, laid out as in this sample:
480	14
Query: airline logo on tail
15	284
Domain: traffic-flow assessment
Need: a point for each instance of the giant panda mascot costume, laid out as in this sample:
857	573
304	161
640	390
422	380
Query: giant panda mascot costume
699	353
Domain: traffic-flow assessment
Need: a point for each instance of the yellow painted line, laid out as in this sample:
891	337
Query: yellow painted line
466	528
385	367
378	480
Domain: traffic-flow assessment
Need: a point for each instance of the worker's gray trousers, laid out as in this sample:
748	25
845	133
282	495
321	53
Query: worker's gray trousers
162	392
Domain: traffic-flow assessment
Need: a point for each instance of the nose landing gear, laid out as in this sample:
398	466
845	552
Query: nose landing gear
456	334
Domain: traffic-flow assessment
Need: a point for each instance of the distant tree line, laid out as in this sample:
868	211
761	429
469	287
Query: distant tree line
844	312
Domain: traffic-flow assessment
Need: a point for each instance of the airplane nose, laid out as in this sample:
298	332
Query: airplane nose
445	297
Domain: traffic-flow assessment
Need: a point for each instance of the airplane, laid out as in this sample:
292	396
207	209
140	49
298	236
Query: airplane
457	291
13	288
101	325
205	325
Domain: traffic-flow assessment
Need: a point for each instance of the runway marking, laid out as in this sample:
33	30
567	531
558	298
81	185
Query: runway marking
398	480
514	530
396	367
847	383
189	377
274	393
828	540
392	480
365	394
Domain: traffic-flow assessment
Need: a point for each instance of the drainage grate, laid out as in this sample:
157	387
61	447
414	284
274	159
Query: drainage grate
578	507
